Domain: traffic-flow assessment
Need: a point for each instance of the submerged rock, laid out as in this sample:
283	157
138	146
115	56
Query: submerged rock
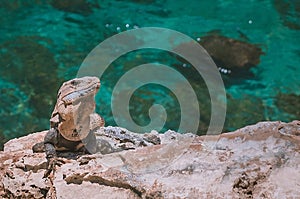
14	105
12	5
83	7
29	63
250	110
289	103
233	55
289	12
258	161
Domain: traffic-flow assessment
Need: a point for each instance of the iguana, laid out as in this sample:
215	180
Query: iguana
73	121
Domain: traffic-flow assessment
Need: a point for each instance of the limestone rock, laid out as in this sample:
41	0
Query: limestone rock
258	161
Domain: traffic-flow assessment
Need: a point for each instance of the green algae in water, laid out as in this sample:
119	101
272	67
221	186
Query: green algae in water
32	66
289	103
28	85
15	114
41	41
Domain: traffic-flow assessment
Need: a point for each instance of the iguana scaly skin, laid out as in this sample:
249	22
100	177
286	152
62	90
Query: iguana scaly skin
73	120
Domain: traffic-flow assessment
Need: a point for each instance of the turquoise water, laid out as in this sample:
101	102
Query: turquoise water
42	44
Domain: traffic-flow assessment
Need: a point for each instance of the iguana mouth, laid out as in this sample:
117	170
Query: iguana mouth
76	95
80	88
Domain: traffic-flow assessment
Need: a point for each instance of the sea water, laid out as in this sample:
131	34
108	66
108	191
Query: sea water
43	43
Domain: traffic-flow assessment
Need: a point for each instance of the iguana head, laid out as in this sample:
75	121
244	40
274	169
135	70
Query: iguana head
75	103
78	88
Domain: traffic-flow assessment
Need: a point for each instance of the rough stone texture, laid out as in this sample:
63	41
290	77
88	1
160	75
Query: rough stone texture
258	161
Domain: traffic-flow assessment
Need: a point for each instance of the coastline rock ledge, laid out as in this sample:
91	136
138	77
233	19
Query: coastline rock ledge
257	161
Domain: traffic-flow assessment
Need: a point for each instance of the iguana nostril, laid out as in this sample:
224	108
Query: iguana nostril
75	133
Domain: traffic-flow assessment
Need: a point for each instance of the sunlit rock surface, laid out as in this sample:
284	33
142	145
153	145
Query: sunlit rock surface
258	161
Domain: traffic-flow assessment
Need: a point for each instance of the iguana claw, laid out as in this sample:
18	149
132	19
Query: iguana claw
51	163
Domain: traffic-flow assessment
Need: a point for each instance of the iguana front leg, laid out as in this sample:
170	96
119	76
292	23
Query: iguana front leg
50	141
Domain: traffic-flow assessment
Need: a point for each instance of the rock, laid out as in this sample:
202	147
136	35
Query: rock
83	7
289	103
250	109
258	161
24	143
234	56
289	13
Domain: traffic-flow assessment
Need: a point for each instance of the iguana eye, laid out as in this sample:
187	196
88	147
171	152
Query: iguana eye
74	82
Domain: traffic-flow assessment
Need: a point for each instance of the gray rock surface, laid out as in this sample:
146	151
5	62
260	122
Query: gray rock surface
258	161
